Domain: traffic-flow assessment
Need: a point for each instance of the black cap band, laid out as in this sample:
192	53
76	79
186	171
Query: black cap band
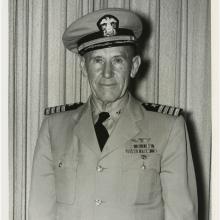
107	45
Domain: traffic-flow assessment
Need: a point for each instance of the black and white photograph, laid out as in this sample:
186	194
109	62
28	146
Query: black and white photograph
109	109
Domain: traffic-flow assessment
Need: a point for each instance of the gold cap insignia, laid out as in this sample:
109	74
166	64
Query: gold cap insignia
108	24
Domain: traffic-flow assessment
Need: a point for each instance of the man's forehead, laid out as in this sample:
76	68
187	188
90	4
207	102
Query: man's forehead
111	51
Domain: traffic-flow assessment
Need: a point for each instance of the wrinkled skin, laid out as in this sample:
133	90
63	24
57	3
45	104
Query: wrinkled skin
109	71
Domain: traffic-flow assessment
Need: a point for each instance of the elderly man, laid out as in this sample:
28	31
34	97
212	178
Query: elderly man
111	158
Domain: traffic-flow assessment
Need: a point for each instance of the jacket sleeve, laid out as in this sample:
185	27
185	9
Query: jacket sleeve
42	199
177	175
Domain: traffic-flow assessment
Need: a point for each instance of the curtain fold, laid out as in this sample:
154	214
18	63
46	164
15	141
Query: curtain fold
175	71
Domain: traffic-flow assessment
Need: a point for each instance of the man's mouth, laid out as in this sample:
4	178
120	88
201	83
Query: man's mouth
107	84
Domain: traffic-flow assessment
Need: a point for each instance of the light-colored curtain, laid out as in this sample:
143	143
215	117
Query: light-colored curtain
175	71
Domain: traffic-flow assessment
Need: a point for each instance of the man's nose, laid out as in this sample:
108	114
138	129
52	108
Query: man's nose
107	72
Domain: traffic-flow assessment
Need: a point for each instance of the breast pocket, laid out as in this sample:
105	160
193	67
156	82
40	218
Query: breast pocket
140	178
65	180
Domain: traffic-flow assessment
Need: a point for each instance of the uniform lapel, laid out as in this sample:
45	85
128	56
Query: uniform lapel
84	130
126	128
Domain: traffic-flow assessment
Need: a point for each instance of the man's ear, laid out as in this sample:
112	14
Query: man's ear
136	62
83	66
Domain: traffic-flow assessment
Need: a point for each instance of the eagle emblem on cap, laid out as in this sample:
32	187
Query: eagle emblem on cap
108	24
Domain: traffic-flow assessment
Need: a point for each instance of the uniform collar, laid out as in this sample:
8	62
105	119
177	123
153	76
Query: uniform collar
129	125
115	111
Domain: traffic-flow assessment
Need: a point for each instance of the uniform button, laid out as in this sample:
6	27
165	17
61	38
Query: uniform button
99	168
60	164
98	202
143	167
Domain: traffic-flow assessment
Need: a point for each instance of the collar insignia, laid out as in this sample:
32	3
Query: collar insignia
108	24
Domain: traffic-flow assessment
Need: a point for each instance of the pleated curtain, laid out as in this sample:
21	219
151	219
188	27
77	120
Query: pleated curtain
175	71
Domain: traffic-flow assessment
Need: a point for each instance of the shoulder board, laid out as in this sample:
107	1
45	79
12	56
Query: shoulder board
165	109
61	108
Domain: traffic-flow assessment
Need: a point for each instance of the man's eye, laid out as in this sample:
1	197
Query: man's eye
118	60
98	60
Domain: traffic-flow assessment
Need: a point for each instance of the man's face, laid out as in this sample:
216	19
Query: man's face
109	70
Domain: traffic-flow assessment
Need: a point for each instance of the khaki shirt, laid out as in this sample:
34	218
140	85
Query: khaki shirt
145	171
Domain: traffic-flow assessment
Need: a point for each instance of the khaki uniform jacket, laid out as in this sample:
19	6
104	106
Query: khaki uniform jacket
145	171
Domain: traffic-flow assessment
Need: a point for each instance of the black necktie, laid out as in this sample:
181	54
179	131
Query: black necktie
100	130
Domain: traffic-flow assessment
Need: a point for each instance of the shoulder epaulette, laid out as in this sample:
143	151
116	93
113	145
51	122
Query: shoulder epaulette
61	108
165	109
